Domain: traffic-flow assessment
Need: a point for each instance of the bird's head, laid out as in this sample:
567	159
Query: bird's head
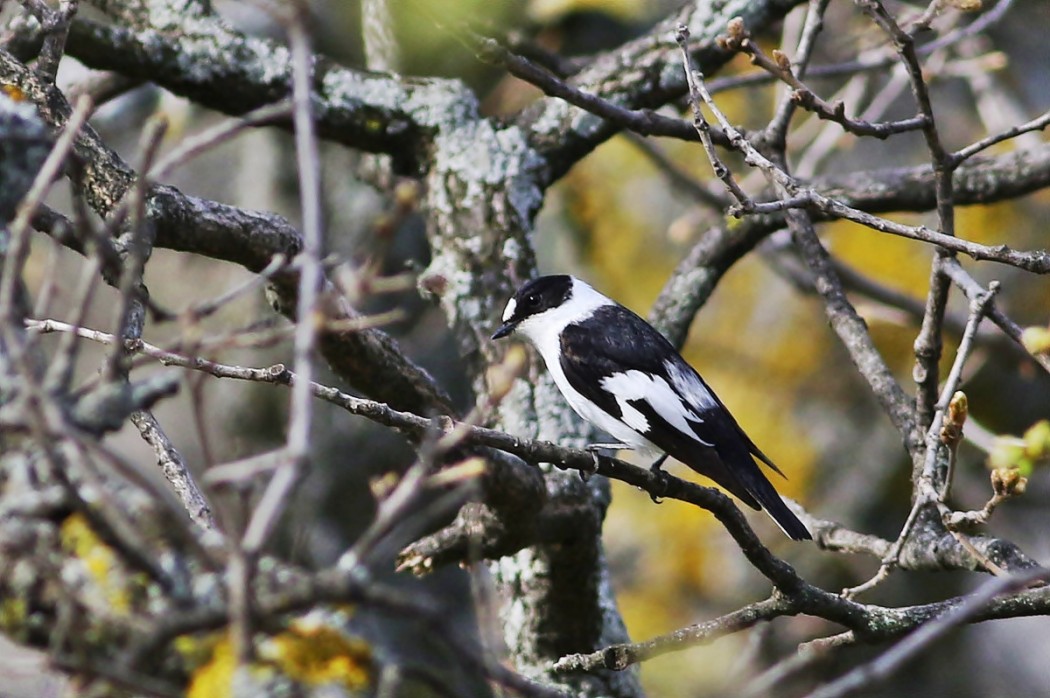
534	301
543	307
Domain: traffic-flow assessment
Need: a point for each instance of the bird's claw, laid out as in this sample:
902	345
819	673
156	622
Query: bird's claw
585	475
663	482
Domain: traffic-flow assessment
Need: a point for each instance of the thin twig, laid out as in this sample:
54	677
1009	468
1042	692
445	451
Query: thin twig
872	672
844	318
55	23
644	122
927	490
619	657
804	659
871	65
137	248
973	290
59	375
208	307
928	343
780	67
1035	261
1037	124
934	438
776	130
696	89
174	468
193	146
18	231
275	497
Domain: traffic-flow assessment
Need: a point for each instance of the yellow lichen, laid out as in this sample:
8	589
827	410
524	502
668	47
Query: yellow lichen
308	652
14	92
214	678
196	650
12	613
101	563
315	654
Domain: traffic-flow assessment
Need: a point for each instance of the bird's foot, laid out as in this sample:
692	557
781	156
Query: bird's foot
661	478
585	475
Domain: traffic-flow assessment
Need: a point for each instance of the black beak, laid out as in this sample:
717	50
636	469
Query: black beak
504	329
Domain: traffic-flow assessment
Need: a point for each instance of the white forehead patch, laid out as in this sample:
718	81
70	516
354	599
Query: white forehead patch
509	312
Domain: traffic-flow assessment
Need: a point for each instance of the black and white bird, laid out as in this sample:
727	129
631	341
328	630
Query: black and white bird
619	373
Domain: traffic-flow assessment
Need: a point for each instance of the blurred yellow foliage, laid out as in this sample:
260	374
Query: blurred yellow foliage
898	263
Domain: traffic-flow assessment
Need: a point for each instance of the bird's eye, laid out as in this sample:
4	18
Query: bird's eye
532	299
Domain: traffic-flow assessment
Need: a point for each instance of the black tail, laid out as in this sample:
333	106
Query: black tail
750	478
767	496
779	512
729	463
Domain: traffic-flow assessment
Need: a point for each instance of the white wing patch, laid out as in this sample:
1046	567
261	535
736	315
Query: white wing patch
638	385
689	386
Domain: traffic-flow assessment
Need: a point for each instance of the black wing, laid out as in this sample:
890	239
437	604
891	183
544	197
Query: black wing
717	447
612	340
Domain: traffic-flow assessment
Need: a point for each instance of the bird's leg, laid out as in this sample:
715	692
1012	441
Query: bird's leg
657	469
